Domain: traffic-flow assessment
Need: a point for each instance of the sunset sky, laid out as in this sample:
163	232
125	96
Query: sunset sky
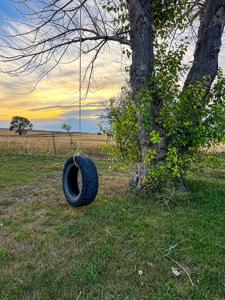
55	99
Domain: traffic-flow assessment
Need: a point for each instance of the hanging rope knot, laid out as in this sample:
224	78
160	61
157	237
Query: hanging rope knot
74	160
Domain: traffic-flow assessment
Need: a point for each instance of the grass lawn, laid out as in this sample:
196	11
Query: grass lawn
120	247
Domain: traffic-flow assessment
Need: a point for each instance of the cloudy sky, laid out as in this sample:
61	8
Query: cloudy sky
55	100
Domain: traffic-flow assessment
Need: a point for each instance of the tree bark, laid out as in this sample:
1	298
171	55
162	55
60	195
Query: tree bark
141	39
206	56
208	46
205	63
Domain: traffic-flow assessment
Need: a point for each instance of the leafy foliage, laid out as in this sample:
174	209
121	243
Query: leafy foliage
188	126
179	122
66	127
170	15
123	131
20	125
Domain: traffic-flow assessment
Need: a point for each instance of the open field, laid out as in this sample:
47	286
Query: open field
123	246
41	142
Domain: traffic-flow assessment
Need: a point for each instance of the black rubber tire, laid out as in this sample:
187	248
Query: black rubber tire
86	195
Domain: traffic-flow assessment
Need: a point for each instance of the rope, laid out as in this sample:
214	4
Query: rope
80	84
80	70
74	161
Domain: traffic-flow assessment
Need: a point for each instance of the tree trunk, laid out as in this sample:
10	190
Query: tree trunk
205	63
141	37
71	140
206	56
208	45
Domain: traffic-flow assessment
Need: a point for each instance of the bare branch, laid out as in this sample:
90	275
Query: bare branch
49	31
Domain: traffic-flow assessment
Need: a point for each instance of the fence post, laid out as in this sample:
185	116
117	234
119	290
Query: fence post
54	146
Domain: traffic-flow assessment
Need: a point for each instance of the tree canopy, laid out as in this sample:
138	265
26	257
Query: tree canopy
20	125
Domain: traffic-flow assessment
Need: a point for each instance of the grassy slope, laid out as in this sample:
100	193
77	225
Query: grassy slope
50	251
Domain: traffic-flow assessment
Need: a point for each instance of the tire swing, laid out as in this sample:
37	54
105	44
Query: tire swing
76	193
80	176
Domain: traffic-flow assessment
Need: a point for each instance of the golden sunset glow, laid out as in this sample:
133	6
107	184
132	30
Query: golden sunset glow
57	98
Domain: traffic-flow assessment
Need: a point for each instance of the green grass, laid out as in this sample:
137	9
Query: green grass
121	247
24	169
